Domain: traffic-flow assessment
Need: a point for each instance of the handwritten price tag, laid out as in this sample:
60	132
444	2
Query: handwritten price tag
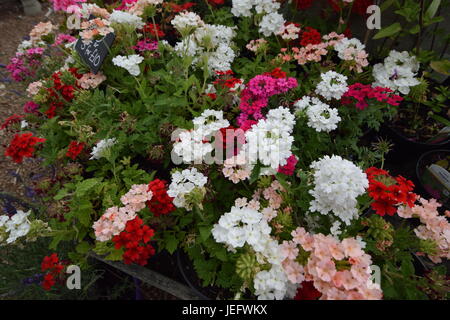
95	52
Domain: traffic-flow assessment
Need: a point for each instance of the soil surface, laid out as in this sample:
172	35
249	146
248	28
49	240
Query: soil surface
15	27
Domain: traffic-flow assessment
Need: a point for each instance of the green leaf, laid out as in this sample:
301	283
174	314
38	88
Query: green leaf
171	243
115	255
255	173
388	31
204	232
86	185
433	8
83	247
407	267
386	4
441	66
61	194
441	119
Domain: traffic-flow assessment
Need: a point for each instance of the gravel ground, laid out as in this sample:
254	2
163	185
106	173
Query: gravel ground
14	26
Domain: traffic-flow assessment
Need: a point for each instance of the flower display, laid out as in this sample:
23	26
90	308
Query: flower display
252	138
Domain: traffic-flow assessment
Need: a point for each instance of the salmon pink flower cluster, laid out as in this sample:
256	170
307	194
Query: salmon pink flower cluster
339	270
434	227
115	219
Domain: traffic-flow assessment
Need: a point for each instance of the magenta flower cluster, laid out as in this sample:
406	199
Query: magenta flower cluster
30	107
23	65
256	96
361	92
146	45
63	38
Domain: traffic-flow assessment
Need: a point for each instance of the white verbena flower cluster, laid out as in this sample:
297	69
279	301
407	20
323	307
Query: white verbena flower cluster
186	22
98	151
332	85
397	72
270	140
17	226
123	17
183	183
211	43
246	225
337	184
130	63
243	8
321	116
192	146
271	23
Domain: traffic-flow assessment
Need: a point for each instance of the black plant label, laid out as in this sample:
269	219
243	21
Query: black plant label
95	52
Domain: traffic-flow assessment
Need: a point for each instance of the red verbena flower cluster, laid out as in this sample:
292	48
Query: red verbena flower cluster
388	192
216	2
22	145
52	265
61	89
153	30
303	4
175	8
160	203
361	92
359	6
15	118
134	239
226	80
310	36
75	148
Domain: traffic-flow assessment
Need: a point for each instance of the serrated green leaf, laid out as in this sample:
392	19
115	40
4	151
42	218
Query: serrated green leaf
86	185
171	243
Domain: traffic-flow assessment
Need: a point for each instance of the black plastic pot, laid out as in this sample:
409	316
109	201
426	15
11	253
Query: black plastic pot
424	161
405	147
187	270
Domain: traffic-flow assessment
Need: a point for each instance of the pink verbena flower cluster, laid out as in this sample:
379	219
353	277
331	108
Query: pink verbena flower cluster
30	107
90	80
311	52
361	92
146	45
340	270
63	38
434	226
235	168
114	220
257	93
272	198
24	64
